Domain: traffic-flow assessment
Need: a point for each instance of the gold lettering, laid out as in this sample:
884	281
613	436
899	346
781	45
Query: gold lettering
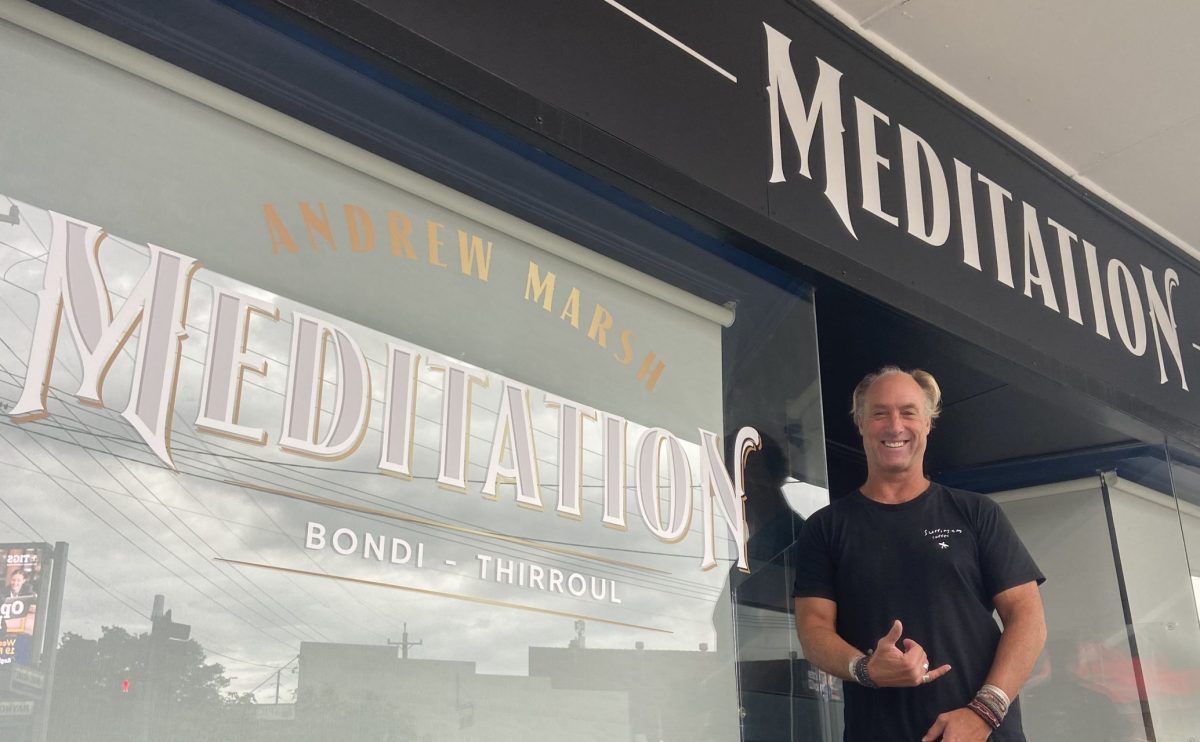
626	348
358	219
400	229
318	224
571	308
602	322
278	232
540	288
468	255
653	375
435	243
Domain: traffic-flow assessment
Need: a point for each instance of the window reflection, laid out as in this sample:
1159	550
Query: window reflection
1121	656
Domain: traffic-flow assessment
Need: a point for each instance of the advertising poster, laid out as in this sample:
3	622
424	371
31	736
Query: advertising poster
23	567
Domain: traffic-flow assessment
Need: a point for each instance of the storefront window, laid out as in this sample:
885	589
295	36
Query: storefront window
301	445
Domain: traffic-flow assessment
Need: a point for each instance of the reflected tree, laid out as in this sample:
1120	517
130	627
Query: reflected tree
122	687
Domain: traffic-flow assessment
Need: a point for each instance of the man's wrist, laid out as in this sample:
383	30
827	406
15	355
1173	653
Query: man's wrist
859	672
984	712
990	704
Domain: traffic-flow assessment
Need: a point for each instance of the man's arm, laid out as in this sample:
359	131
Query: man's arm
816	622
1020	610
889	666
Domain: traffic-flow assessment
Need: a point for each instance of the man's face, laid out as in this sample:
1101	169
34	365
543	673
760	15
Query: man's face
16	581
895	426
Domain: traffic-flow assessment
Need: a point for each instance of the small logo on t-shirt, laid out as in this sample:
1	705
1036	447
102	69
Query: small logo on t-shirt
941	536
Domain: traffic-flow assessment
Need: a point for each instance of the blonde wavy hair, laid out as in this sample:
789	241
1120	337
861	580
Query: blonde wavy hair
924	379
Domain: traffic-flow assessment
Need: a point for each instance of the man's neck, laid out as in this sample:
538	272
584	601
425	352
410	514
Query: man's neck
894	490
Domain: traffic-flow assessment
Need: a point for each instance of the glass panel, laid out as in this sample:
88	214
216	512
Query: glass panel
783	697
392	464
1120	660
1183	625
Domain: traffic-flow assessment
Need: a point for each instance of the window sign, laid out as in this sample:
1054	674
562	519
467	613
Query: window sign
271	448
327	436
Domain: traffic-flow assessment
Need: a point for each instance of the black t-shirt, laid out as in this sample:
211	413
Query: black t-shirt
934	562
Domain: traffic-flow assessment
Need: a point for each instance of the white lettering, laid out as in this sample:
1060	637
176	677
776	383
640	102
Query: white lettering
399	544
74	290
614	469
1096	288
913	151
227	362
337	541
966	215
314	536
996	198
1162	321
514	429
399	411
870	162
576	584
537	576
306	372
1122	289
679	485
1037	266
782	86
1067	260
457	382
570	453
730	496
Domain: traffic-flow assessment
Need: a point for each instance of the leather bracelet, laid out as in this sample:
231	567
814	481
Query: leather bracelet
983	712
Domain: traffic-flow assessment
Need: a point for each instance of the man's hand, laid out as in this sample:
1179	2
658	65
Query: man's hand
891	667
959	725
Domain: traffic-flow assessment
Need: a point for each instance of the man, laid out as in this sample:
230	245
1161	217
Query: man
903	575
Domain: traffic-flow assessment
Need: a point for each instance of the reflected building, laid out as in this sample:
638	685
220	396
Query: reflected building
348	686
663	689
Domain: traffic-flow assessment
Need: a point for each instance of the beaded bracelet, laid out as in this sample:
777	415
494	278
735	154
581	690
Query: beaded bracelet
859	671
995	702
983	712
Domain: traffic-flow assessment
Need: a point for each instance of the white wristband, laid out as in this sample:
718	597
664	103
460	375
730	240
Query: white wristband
1003	696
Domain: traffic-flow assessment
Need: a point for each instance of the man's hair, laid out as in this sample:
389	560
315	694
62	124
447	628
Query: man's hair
924	379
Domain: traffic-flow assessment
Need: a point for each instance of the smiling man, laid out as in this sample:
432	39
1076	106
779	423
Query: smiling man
896	584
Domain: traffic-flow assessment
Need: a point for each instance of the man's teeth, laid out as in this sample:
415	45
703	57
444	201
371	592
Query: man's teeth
894	444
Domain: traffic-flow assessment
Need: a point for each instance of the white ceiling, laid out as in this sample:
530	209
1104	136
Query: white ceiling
1107	90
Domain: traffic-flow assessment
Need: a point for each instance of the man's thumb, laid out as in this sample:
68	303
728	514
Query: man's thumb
893	636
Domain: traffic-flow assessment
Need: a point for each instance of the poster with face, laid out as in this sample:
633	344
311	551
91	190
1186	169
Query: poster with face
23	565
